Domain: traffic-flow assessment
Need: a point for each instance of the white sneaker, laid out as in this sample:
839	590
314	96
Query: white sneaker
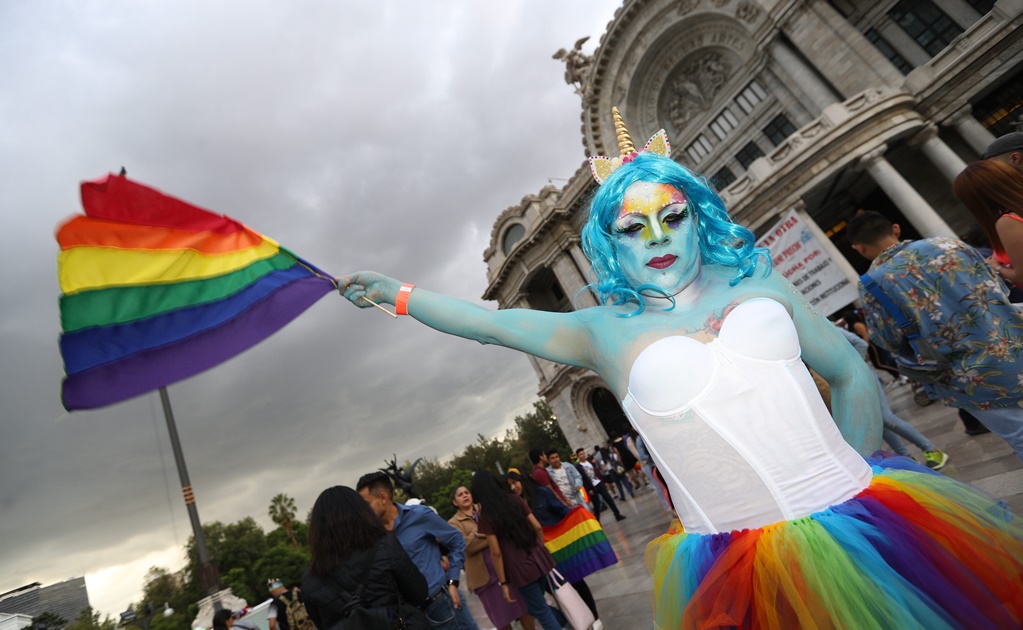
597	625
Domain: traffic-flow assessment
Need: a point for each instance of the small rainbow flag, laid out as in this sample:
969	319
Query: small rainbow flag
579	544
156	290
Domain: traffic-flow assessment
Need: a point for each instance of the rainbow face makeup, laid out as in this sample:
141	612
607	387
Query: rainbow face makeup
647	200
657	239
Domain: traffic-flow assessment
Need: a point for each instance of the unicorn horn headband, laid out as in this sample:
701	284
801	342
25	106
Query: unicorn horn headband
602	167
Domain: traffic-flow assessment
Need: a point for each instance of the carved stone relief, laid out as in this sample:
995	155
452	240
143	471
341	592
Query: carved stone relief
686	6
695	87
747	12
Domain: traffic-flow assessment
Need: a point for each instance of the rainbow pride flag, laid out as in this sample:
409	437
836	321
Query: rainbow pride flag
578	544
156	290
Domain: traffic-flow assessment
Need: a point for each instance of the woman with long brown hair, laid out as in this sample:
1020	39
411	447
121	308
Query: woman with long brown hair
355	558
993	192
515	540
480	575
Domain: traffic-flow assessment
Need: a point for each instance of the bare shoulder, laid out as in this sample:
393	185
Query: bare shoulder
1009	221
774	286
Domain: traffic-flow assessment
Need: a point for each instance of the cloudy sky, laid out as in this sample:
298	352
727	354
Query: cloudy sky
381	135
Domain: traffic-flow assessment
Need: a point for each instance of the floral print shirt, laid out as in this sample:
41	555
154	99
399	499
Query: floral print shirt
961	308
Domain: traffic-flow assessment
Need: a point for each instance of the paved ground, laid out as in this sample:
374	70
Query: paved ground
623	591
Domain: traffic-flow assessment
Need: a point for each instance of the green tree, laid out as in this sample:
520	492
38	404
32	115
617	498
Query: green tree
89	619
282	512
484	455
237	579
180	620
49	621
280	537
163	587
537	429
432	476
239	544
283	563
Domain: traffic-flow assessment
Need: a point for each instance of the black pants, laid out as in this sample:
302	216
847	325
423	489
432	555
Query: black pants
584	592
600	492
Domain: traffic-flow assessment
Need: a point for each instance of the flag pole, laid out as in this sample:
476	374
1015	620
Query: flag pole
209	578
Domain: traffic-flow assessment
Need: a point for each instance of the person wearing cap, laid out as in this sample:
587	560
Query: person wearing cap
277	613
1007	149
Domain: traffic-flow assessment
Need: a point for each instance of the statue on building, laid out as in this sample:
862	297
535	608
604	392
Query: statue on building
402	479
577	65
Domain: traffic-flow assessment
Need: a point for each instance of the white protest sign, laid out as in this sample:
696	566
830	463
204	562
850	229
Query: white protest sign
800	257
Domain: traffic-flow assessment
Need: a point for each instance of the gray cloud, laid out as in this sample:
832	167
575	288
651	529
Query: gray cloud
383	135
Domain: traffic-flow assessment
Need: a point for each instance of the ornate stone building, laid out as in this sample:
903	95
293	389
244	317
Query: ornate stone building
822	106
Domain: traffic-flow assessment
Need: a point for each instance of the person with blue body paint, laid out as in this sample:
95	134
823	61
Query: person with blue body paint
785	513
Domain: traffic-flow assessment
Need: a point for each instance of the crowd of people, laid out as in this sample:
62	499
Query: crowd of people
396	565
378	563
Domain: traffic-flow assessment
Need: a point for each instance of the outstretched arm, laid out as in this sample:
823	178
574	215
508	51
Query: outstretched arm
855	404
558	337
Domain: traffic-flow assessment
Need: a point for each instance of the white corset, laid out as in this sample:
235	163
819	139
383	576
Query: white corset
737	426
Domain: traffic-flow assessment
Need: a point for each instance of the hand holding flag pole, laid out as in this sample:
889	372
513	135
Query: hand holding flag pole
380	307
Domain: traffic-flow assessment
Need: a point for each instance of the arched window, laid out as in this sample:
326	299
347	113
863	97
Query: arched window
544	293
609	412
513	235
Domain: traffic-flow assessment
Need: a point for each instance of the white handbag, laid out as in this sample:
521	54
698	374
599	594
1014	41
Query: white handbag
569	601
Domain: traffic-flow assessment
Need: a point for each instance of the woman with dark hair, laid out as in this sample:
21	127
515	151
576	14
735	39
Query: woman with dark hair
354	556
550	511
515	539
480	576
546	507
223	619
993	192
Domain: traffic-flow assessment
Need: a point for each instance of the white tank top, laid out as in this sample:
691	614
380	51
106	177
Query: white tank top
737	426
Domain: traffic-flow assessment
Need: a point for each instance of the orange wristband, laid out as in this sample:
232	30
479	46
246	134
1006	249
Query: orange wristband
401	302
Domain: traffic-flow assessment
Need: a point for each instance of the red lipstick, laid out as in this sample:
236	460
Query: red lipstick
662	262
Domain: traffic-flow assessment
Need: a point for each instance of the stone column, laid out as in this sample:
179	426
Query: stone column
567	273
584	266
975	134
917	210
939	153
832	250
805	76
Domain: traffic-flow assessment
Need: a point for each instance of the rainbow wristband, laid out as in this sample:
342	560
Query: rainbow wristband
401	302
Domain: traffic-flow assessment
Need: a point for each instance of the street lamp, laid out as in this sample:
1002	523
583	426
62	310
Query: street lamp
130	617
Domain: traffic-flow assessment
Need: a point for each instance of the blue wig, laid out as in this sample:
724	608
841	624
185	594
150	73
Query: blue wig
722	242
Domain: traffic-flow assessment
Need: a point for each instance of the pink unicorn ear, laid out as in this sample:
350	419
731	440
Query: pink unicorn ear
602	167
659	144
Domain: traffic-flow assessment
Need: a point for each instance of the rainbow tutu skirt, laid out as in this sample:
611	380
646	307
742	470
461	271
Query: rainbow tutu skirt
915	549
